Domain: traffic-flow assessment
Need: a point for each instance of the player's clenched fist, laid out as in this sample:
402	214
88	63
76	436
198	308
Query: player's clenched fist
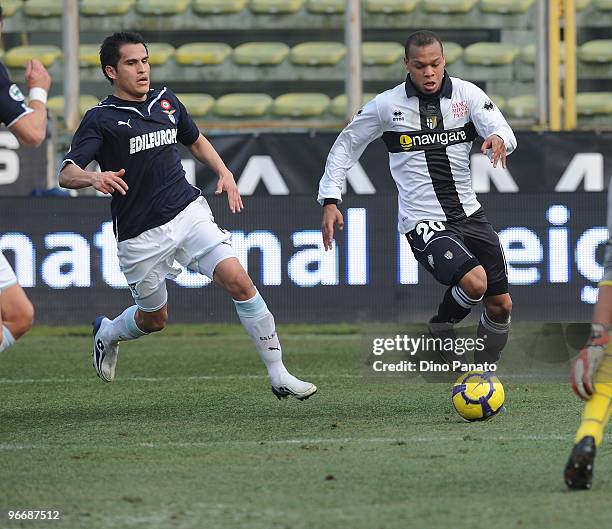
331	217
36	75
110	181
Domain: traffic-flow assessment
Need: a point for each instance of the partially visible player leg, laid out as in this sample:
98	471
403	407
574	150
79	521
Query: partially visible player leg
258	323
16	315
494	328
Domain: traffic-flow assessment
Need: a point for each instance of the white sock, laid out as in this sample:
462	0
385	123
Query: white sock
7	339
123	327
259	325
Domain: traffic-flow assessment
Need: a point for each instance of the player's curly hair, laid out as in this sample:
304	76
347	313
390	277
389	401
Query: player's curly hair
110	49
421	38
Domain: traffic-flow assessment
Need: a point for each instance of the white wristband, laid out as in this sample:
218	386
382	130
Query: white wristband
38	94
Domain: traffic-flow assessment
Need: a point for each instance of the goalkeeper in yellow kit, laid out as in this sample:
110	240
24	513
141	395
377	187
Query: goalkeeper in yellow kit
592	379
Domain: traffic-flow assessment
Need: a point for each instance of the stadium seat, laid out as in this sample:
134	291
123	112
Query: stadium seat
326	7
490	54
197	105
338	104
202	53
56	105
521	106
596	51
390	7
527	54
318	53
448	6
217	7
243	105
160	53
452	52
89	55
161	7
105	7
594	103
381	53
275	7
43	8
10	7
505	7
260	53
581	5
300	105
603	5
19	56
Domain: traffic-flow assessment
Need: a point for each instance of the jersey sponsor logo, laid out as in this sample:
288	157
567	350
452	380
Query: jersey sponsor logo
16	93
426	140
151	140
119	123
460	109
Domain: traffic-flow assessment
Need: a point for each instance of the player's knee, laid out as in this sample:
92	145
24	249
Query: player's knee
23	321
474	283
500	309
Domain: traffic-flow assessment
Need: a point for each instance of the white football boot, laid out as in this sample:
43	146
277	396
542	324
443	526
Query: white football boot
104	354
289	386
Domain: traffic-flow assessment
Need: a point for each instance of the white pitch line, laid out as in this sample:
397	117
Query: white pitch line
305	441
159	379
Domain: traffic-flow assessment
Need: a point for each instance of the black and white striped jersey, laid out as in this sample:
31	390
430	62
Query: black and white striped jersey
429	140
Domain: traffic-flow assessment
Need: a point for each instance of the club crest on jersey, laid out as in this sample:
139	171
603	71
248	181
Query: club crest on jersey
431	121
168	110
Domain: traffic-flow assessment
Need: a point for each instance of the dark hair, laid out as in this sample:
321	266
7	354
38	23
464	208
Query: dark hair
422	38
111	47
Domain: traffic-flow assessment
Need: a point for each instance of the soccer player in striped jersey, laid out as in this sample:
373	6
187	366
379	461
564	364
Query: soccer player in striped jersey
591	380
428	124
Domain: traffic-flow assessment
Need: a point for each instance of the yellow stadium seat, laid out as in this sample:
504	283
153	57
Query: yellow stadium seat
490	53
596	51
43	8
10	7
389	7
527	54
581	5
448	6
217	7
273	7
326	7
89	55
594	103
260	53
505	7
56	105
161	7
202	53
318	53
603	5
19	56
521	106
338	104
197	105
499	101
452	52
381	53
159	53
243	105
300	105
105	7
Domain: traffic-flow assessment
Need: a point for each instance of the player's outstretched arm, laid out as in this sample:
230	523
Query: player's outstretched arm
107	182
332	216
31	129
203	151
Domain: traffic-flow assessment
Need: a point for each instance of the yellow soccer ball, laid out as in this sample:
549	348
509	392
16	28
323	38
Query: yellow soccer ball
478	395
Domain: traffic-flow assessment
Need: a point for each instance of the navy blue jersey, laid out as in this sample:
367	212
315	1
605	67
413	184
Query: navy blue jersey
141	138
12	105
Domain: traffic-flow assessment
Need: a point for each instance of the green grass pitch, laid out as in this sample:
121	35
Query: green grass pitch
190	435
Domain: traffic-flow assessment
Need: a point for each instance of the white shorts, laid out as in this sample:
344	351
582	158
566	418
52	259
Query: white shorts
7	276
191	238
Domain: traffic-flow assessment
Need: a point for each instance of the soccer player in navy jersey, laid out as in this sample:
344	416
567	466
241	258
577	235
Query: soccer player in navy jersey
158	216
28	122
